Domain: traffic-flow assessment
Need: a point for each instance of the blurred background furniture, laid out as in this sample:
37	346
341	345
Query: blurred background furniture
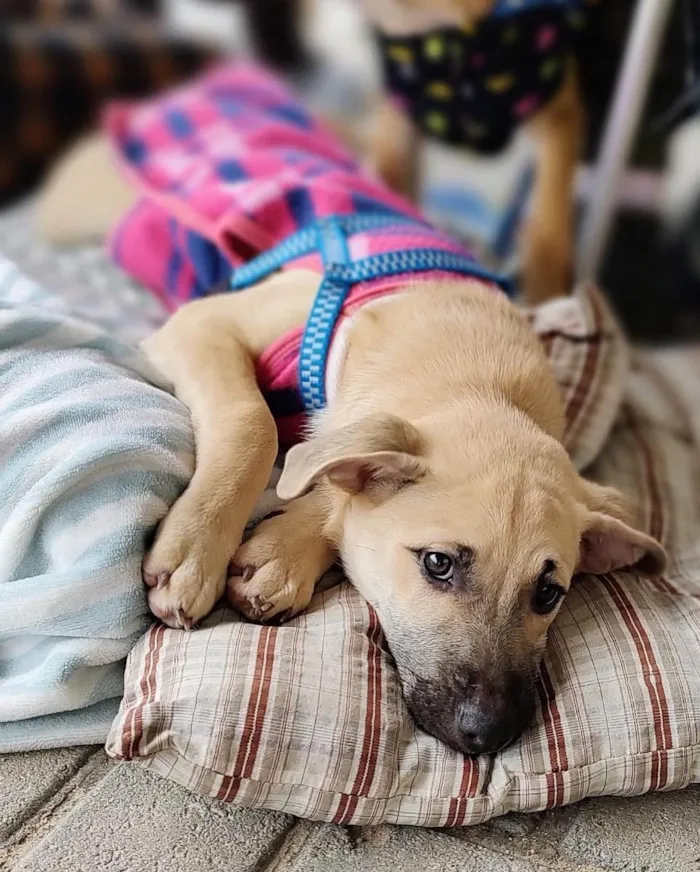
61	59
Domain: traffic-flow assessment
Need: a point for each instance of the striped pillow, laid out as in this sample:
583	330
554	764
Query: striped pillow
92	452
308	718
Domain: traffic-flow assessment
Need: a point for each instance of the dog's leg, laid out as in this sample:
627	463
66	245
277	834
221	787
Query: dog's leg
395	149
202	350
208	350
276	570
549	235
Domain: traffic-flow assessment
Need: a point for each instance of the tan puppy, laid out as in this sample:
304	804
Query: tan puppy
556	124
437	474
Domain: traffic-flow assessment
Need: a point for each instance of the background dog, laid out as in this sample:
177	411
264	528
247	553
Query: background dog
458	72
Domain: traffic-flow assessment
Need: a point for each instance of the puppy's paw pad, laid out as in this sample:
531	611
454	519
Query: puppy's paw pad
266	593
164	609
184	595
257	607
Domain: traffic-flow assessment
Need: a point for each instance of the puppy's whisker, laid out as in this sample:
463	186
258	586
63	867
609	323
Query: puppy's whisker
367	548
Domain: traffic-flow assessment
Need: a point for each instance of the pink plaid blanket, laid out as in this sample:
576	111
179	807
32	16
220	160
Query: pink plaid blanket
229	167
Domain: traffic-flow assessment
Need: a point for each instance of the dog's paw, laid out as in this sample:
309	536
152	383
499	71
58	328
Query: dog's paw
185	571
274	573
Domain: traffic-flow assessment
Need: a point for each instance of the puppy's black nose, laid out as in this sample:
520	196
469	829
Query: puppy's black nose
483	729
492	713
475	713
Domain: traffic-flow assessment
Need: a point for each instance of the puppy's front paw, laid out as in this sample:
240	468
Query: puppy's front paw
274	573
185	570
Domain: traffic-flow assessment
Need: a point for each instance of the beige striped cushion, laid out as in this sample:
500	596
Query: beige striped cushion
308	718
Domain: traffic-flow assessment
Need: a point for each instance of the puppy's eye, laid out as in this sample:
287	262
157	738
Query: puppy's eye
438	566
547	596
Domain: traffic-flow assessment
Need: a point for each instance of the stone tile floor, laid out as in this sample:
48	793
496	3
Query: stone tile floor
72	810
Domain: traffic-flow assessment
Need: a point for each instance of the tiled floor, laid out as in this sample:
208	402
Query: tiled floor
73	811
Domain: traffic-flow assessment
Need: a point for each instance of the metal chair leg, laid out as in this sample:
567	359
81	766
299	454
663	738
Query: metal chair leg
631	92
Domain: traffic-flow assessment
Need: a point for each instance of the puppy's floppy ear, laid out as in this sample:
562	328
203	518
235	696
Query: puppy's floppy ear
377	451
608	542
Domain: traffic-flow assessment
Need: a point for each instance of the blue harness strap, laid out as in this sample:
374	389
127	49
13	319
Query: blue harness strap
329	236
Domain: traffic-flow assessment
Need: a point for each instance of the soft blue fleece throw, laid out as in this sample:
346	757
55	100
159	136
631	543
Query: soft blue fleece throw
92	452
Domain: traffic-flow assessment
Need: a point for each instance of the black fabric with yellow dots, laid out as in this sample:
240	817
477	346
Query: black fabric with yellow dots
475	86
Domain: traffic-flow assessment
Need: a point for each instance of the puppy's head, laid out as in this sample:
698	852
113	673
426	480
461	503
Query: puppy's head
464	535
455	11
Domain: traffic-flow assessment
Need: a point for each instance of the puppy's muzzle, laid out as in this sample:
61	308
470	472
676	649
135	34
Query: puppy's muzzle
474	714
492	715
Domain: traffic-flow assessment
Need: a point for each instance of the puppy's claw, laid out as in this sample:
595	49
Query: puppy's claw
245	573
157	580
186	621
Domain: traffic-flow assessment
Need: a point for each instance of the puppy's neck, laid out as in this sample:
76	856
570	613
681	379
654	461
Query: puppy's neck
438	346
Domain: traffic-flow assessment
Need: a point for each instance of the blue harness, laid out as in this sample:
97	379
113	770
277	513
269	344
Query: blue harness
329	236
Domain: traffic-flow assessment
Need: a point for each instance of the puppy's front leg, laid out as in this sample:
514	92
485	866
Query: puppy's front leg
276	570
203	352
549	235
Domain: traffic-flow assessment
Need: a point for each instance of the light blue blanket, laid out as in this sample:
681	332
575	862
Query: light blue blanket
92	452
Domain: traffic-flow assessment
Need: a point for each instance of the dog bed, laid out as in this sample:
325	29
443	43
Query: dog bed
308	718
